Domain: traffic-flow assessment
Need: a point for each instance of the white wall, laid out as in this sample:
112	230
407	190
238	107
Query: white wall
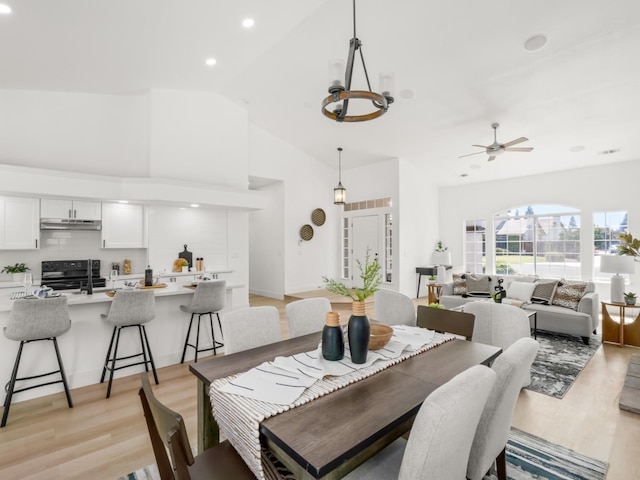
308	184
592	189
75	132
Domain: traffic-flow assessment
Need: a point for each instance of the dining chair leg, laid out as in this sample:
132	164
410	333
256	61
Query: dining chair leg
106	360
153	365
145	361
186	340
220	325
113	361
198	337
64	376
501	464
10	387
213	335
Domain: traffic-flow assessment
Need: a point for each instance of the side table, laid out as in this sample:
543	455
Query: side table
624	331
434	293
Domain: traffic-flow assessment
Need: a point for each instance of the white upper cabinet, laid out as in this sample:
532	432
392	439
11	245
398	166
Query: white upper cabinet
70	209
19	223
122	225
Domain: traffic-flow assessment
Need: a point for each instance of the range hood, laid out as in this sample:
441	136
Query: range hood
69	224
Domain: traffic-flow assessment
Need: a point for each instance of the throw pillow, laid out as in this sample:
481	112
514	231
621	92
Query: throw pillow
459	284
520	291
511	301
543	293
478	286
568	295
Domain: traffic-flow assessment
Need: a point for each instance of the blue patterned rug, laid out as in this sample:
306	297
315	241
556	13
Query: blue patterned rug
560	360
528	458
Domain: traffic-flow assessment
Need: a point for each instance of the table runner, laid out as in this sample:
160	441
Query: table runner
239	417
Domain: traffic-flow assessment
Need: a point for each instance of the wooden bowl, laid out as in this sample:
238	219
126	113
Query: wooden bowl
379	336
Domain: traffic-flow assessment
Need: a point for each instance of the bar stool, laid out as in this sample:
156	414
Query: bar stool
34	320
208	298
130	308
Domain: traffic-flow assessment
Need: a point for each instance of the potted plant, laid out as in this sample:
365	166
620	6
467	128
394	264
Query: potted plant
359	329
432	279
441	255
630	298
17	271
436	305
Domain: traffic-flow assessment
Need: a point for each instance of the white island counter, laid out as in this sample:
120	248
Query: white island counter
84	346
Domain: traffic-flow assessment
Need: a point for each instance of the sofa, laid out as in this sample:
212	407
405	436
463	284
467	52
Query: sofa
567	307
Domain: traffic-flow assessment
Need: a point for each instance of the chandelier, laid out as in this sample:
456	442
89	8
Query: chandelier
340	94
339	193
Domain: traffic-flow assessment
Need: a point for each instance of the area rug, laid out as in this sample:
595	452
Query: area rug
560	360
528	458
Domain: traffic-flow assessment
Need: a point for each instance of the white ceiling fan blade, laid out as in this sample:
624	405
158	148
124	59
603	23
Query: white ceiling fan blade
515	142
469	154
519	149
492	157
481	146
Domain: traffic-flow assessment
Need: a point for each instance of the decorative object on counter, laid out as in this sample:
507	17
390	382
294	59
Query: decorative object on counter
379	336
27	281
358	330
318	217
180	264
200	264
500	292
115	266
306	232
148	276
15	271
42	292
187	255
630	298
126	267
113	276
332	338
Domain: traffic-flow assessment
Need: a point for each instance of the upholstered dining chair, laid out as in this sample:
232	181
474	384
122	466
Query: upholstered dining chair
512	367
394	308
167	432
307	315
446	321
250	327
441	436
208	298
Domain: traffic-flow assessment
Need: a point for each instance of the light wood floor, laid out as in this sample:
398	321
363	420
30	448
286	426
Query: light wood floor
103	439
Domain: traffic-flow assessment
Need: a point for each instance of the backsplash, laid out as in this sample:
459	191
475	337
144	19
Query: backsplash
72	245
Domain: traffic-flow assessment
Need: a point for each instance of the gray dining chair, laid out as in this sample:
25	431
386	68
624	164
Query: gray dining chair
446	321
306	316
250	328
441	436
208	298
129	308
394	308
35	320
512	367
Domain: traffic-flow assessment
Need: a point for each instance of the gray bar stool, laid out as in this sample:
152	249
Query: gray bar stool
130	308
208	298
34	320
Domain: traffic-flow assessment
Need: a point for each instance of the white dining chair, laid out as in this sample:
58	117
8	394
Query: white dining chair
250	328
394	308
441	436
307	315
512	367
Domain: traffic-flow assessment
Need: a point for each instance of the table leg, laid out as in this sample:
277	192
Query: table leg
208	430
419	279
622	313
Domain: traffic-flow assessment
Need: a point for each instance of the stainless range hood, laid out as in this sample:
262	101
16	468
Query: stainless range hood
69	224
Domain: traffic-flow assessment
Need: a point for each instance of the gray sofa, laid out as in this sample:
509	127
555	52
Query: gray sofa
583	321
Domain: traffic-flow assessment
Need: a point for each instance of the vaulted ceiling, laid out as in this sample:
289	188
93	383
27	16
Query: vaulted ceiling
459	66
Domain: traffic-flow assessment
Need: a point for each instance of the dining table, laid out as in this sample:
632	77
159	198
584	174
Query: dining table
331	435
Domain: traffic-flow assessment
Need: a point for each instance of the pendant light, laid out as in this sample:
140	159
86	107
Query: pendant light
339	193
340	93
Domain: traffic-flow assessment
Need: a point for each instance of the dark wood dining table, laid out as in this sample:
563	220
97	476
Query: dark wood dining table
329	436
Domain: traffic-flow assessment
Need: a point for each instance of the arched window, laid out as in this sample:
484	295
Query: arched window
539	240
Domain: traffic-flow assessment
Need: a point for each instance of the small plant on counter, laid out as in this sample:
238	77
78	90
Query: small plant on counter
371	279
436	305
17	268
630	298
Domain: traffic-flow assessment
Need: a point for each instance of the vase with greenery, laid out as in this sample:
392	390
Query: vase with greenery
359	328
16	270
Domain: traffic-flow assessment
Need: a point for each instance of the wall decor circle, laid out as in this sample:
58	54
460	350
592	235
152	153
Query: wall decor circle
318	217
306	232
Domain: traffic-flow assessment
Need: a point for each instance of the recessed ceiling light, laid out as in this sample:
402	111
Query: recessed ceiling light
464	175
123	201
210	61
248	22
4	9
194	205
535	43
475	166
577	148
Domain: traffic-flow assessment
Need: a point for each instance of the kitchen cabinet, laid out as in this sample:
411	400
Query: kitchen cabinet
122	225
19	223
70	209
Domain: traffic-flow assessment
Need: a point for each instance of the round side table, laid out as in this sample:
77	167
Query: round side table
623	330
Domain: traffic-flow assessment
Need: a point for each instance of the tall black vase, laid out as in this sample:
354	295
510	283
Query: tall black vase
358	333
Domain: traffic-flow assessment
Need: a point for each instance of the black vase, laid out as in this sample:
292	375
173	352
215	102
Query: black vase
358	333
332	343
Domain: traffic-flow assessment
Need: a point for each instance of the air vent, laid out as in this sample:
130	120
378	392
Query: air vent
609	152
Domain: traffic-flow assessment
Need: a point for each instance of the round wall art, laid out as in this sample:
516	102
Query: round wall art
318	217
306	232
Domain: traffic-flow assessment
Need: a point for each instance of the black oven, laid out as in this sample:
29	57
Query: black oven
71	274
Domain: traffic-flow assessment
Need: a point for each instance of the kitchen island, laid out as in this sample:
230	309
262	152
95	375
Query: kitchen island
84	346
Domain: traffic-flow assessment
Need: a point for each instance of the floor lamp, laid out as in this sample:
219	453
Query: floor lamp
617	264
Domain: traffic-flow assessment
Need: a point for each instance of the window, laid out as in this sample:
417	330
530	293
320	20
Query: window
475	253
606	228
544	241
388	247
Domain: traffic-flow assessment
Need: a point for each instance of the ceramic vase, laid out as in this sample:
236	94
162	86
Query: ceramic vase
332	338
358	333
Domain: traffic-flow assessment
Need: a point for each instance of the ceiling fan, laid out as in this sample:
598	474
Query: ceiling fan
496	148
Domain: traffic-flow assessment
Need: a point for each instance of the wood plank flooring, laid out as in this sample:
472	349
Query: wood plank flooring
103	439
